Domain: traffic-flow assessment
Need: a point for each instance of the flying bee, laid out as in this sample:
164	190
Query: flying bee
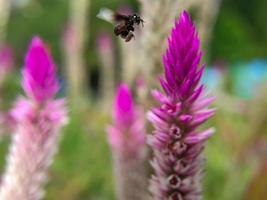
124	24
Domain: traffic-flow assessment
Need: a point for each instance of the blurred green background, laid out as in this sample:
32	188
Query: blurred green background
236	155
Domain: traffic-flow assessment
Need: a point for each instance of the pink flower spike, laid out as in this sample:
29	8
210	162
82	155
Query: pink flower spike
176	143
39	73
37	120
126	137
128	123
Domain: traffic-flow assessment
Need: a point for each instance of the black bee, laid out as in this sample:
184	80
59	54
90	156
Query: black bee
125	25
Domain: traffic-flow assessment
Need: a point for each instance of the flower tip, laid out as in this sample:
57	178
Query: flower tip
39	73
124	97
185	19
123	105
37	53
36	41
185	16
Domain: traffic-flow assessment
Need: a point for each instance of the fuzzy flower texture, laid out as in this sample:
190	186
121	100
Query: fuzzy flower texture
127	140
39	119
176	142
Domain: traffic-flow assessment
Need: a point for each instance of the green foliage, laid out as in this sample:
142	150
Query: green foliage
82	169
240	32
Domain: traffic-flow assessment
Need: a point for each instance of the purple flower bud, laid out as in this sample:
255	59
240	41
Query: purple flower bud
39	73
127	133
176	142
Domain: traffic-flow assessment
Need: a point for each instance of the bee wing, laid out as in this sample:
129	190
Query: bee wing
119	17
106	14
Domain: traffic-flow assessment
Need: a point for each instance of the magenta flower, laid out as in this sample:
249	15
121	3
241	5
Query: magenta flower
127	139
38	120
39	75
176	142
127	133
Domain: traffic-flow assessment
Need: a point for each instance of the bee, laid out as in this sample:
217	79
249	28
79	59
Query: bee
124	24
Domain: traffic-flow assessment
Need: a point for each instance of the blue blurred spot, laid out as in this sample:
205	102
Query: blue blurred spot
212	78
247	77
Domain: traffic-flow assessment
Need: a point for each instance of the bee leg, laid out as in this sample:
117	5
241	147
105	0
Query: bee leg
129	37
116	31
124	34
131	28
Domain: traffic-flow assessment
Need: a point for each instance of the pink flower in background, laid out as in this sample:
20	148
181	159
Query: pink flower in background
6	58
6	61
106	54
39	119
176	142
104	43
127	140
127	133
6	66
125	10
69	38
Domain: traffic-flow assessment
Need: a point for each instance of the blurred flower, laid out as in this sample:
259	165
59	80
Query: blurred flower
73	46
104	43
127	133
69	39
39	75
141	88
105	50
127	139
38	121
176	143
254	72
6	61
125	10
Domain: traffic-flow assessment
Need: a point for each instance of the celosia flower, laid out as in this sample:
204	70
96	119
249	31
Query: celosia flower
127	139
127	133
38	120
105	50
176	142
